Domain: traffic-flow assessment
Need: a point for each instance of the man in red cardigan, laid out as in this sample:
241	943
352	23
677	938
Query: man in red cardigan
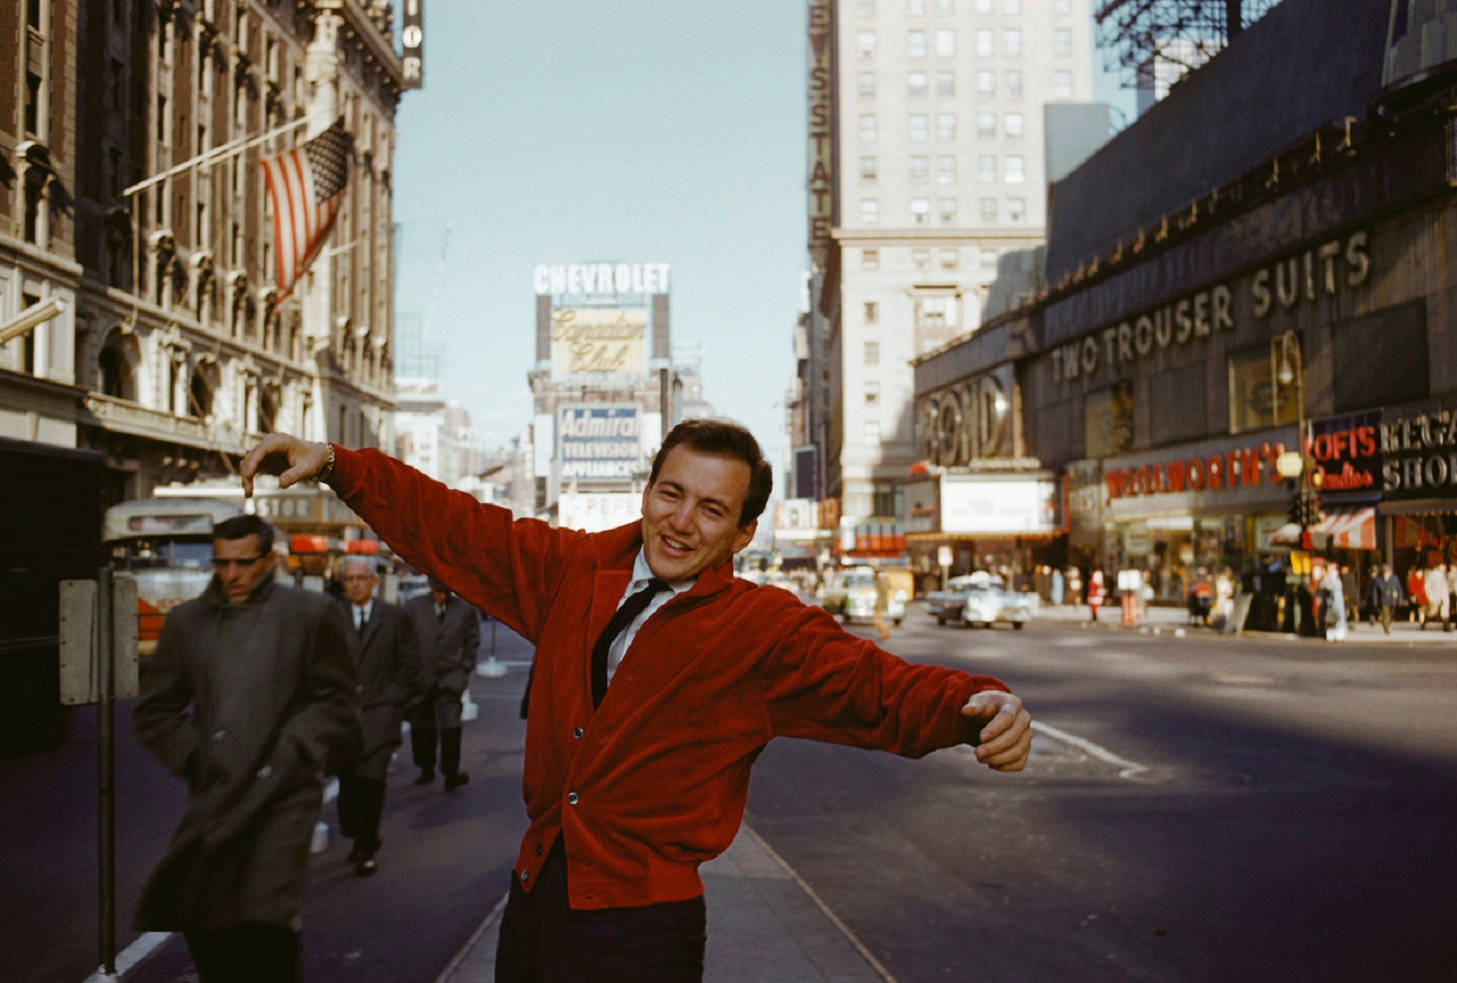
630	787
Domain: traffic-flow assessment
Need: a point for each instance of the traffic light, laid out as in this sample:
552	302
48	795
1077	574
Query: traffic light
1295	511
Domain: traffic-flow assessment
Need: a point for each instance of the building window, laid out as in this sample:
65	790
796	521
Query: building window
1016	210
1012	43
1012	125
921	258
945	43
946	169
872	431
1062	7
918	125
986	168
870	210
985	47
920	171
1013	170
1062	85
948	258
872	352
869	169
920	211
946	127
867	8
1062	42
872	393
935	312
1014	84
986	125
986	84
916	8
866	85
989	259
865	41
869	128
988	207
946	85
916	44
1011	7
984	6
870	259
32	103
946	208
916	85
872	312
945	8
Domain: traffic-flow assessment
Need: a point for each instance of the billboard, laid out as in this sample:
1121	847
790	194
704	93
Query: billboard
598	339
596	511
599	442
998	506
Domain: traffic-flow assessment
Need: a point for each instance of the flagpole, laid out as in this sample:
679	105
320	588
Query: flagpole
215	155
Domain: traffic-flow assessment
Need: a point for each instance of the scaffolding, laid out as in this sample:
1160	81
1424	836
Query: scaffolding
1141	38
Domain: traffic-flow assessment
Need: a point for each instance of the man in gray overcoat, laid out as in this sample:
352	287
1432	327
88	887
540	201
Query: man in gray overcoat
250	689
447	636
383	648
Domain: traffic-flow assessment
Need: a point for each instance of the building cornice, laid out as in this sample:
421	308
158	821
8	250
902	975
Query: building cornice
360	30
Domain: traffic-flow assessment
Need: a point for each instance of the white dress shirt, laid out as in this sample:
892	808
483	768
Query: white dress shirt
641	574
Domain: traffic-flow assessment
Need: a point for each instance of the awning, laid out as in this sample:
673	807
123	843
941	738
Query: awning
1345	529
1349	529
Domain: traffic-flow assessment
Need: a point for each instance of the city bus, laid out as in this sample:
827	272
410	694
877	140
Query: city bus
165	544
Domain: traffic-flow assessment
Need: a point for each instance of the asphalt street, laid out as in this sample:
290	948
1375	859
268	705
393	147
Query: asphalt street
1197	808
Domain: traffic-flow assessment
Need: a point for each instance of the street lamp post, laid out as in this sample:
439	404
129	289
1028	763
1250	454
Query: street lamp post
1297	467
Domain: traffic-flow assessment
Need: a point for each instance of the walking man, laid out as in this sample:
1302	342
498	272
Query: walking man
659	679
1386	593
249	690
447	636
383	648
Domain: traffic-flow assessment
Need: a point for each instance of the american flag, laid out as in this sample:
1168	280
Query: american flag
305	186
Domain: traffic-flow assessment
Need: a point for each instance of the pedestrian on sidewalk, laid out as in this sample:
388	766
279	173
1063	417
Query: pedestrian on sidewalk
1434	583
386	665
659	679
249	692
1386	595
1416	591
448	637
1095	595
1333	608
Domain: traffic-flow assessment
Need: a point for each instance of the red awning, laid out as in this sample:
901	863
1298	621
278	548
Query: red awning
1349	529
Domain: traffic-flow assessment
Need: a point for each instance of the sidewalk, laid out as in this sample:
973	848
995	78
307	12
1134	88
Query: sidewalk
764	924
1160	620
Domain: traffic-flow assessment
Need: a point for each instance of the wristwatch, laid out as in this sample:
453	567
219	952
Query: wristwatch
327	470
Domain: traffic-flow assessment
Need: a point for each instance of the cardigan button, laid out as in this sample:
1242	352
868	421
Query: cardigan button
577	732
525	874
573	798
538	849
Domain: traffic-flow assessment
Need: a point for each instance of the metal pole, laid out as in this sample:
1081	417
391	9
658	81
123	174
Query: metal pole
105	774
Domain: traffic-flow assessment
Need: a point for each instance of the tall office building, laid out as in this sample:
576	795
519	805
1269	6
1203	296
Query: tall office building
926	166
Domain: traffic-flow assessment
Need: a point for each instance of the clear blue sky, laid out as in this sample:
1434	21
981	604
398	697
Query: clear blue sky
637	130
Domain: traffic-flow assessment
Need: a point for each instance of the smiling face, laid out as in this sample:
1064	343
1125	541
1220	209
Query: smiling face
690	514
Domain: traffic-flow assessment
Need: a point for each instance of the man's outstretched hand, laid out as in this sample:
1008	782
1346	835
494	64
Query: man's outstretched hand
285	455
1006	733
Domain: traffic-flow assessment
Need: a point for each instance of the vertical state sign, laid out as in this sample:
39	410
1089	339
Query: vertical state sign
412	41
820	179
598	339
599	443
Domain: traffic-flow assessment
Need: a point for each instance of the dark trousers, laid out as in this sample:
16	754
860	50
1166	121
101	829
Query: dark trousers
423	736
543	941
245	954
361	801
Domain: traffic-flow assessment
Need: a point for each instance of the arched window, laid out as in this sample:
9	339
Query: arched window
200	394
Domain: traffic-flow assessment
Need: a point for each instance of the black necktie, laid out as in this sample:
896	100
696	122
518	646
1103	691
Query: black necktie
631	608
359	622
440	612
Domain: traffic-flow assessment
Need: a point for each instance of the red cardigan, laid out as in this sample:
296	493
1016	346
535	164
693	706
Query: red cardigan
654	782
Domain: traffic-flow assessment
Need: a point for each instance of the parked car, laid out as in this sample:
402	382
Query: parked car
981	598
850	594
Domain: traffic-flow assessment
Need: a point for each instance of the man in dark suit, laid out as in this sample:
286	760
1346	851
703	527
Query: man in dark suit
386	662
447	636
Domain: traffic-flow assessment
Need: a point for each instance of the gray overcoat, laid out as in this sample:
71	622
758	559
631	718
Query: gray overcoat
447	647
387	671
243	701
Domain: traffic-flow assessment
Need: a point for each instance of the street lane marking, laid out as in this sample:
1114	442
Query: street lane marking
142	947
809	892
1128	769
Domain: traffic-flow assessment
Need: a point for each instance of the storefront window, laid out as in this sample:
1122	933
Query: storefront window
1256	400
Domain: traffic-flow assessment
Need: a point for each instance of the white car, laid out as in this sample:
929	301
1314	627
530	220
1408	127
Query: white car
850	594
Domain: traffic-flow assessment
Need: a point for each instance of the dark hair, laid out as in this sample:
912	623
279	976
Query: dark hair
727	440
243	526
